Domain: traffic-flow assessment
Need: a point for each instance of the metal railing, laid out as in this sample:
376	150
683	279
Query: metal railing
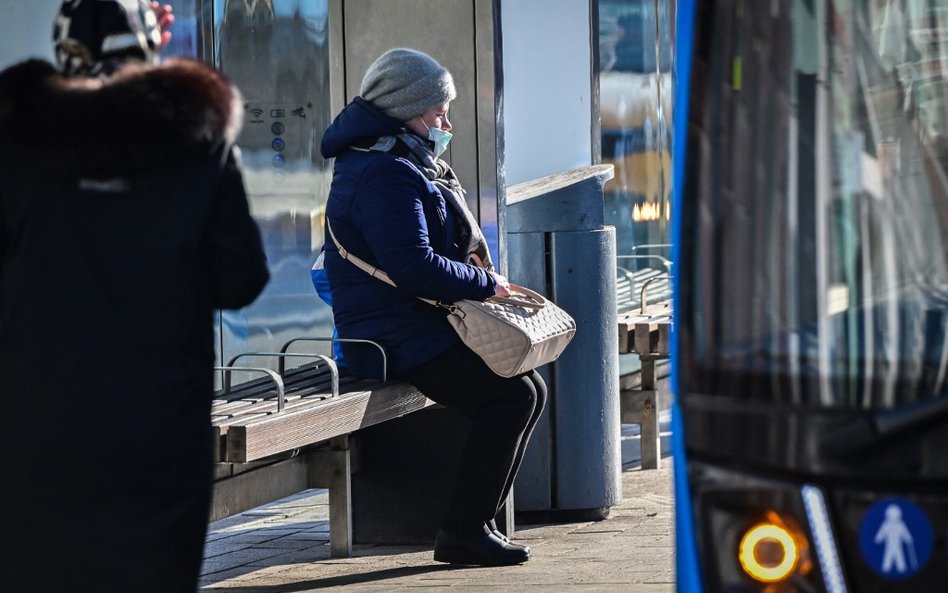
345	340
281	392
276	378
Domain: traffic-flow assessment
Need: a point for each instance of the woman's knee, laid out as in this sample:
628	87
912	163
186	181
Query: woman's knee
520	393
539	387
534	394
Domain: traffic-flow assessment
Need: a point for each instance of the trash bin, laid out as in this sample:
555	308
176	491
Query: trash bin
558	245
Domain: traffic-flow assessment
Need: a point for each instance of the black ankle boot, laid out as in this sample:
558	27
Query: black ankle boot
484	549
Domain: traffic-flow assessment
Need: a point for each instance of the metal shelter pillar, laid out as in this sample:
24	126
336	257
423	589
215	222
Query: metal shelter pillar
559	246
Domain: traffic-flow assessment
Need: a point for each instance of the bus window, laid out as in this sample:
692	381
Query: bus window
823	207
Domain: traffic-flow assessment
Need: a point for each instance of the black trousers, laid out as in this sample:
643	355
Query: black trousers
503	413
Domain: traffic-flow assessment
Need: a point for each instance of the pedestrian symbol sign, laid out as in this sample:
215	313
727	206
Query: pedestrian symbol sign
895	538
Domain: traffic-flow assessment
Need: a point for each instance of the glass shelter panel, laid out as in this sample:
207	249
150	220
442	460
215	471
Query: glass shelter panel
186	34
635	62
635	99
277	53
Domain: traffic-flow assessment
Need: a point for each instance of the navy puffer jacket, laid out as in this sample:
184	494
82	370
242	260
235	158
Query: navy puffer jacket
384	210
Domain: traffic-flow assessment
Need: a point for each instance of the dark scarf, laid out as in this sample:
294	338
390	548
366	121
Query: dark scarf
442	176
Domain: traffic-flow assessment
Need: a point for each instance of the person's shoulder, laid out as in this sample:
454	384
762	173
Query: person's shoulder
196	98
21	88
23	79
383	166
32	69
135	120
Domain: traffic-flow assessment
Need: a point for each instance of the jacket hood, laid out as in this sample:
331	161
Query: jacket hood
142	117
359	120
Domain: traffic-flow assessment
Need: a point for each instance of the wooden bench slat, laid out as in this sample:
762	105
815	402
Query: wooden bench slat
304	397
269	403
337	416
663	345
642	339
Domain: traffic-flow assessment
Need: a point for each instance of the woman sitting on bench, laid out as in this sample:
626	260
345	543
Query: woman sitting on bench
396	205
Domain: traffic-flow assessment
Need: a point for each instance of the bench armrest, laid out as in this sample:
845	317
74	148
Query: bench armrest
281	399
277	379
347	340
645	289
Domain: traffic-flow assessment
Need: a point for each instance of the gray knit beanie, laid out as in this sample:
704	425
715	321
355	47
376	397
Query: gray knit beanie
404	83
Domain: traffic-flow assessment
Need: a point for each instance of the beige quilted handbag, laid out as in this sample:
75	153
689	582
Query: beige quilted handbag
512	334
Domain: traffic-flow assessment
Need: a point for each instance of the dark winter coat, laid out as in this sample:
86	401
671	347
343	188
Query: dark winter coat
123	225
384	210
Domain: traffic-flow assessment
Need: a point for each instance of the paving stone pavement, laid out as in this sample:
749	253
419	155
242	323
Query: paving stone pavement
283	547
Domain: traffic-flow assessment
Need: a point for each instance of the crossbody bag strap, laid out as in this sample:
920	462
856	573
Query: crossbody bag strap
527	299
356	260
369	269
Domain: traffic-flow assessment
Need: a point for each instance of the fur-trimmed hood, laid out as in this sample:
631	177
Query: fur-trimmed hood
141	118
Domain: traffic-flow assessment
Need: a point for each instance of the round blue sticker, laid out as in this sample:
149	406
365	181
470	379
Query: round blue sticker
895	538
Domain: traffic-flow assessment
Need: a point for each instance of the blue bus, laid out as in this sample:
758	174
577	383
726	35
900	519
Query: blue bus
810	224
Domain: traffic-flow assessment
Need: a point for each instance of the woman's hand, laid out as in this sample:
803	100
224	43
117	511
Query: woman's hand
503	286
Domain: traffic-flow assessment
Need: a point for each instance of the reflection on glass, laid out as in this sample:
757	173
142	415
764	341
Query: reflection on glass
635	57
185	33
817	209
276	53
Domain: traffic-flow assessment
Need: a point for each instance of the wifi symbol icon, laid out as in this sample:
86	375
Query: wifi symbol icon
256	112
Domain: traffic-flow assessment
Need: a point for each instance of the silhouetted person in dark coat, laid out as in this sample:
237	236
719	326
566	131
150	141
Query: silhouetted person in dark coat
123	226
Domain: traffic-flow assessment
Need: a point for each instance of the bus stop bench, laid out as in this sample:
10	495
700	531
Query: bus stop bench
289	430
643	330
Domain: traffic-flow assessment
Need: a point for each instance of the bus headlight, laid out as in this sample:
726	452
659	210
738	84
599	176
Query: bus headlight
754	534
768	552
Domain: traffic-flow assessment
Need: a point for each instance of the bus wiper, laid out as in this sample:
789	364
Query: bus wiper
880	426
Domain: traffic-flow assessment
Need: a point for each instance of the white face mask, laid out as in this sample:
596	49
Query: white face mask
439	137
